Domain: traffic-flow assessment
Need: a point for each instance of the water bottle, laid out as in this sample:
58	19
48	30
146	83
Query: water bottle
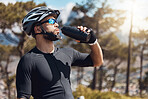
76	33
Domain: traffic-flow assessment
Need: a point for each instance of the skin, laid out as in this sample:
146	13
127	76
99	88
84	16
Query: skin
47	46
43	44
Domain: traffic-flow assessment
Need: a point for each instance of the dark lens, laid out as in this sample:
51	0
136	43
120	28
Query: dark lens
51	21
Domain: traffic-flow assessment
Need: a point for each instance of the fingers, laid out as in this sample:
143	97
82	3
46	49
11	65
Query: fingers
84	29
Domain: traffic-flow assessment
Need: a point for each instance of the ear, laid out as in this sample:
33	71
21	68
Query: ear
37	29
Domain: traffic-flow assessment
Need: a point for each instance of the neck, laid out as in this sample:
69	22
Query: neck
46	46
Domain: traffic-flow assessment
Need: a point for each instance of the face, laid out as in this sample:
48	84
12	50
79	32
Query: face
51	28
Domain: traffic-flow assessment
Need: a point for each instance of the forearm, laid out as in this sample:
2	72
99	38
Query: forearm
96	51
96	54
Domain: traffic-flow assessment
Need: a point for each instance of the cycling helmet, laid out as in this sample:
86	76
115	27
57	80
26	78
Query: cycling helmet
35	16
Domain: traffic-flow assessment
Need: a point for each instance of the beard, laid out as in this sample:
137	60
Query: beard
51	36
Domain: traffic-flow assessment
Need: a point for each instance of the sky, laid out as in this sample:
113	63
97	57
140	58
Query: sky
140	10
53	3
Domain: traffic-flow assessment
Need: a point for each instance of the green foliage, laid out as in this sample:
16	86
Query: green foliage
105	16
86	92
95	94
140	40
6	51
14	13
10	81
140	35
85	6
112	48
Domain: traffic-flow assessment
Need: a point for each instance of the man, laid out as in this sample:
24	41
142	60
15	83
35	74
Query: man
44	72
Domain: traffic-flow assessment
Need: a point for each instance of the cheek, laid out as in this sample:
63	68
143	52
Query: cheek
49	28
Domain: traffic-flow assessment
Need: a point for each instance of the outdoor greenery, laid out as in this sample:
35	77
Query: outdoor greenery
95	94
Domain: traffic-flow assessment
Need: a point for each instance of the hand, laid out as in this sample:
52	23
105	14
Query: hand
92	35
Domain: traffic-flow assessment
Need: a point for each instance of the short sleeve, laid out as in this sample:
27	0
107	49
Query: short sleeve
23	77
81	59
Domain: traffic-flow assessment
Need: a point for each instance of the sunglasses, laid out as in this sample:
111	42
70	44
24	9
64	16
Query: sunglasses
50	21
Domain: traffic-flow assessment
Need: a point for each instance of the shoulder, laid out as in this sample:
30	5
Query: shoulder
27	59
68	50
30	55
71	52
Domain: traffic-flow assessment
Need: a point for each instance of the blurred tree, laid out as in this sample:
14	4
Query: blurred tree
145	82
6	52
115	52
11	17
141	42
105	19
95	94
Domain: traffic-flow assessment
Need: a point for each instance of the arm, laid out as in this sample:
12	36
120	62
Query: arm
96	51
23	78
96	54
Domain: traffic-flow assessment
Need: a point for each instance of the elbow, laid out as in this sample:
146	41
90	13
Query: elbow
99	63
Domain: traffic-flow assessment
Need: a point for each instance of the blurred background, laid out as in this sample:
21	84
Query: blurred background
121	27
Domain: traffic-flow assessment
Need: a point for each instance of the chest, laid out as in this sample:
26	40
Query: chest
48	68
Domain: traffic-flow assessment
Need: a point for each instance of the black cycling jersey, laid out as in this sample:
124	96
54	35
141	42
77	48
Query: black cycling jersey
47	76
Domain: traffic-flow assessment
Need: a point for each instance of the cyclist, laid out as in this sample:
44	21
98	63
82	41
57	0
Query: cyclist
44	72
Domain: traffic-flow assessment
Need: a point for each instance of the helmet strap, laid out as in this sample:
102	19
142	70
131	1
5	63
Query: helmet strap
51	36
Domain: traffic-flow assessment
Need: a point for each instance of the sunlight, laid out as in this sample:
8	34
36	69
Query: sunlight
139	14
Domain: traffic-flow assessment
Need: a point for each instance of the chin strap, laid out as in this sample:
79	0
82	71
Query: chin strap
52	37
